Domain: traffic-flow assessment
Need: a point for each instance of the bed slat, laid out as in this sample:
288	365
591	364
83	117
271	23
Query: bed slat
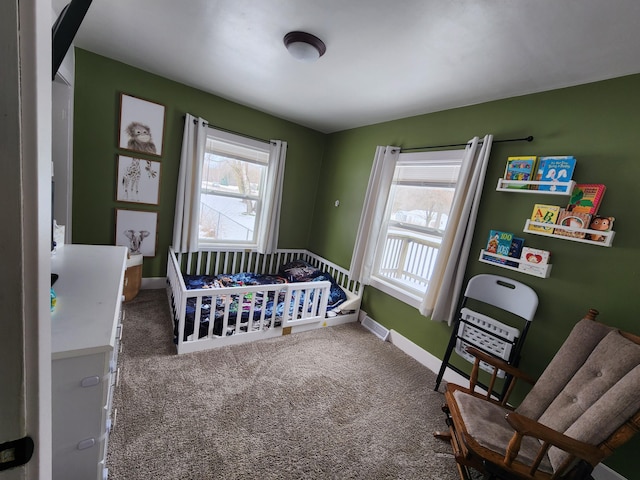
314	295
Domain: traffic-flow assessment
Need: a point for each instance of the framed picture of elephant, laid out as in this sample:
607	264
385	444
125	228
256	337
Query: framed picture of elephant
138	180
137	230
141	125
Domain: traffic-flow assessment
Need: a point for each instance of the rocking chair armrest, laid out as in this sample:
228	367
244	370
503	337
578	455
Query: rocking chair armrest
500	364
527	427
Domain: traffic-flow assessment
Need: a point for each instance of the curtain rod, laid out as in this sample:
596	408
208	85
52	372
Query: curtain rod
207	124
524	139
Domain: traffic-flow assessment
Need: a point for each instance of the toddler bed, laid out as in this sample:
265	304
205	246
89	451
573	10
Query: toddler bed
222	298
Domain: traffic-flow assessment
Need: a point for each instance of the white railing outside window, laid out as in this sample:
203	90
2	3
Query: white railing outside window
418	203
408	260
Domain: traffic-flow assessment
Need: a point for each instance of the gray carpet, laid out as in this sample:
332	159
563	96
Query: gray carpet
333	403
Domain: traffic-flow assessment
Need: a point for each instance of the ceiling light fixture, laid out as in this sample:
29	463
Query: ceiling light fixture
304	46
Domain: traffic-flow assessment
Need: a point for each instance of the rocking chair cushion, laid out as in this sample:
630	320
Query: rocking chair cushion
600	397
486	423
575	350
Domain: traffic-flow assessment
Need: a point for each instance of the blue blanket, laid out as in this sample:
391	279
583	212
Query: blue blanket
296	271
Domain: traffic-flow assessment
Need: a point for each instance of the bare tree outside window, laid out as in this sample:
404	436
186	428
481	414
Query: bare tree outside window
231	191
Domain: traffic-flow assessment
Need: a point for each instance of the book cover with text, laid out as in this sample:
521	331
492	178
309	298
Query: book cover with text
544	214
534	260
499	242
586	198
520	168
557	169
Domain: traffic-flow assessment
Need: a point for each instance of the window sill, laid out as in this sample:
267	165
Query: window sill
394	291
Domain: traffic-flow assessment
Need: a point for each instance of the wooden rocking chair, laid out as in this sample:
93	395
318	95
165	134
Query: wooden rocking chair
584	405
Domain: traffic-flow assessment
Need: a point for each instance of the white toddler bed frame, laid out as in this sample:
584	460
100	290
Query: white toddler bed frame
209	262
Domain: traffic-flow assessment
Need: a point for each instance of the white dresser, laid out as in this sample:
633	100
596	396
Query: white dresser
86	330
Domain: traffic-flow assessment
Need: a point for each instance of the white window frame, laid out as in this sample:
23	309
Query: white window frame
267	184
395	289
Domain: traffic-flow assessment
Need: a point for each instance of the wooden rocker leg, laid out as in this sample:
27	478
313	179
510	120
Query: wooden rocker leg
446	436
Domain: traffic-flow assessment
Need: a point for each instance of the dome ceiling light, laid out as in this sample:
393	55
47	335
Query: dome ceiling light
304	46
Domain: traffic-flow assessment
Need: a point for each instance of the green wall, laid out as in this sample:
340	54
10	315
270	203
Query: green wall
596	122
98	84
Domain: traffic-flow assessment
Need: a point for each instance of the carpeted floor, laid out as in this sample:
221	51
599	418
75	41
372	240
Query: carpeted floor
333	403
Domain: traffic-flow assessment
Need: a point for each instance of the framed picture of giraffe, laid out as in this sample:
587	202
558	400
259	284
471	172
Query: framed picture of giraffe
141	125
138	180
137	230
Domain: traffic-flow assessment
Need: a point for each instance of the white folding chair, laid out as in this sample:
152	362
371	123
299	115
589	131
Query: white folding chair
477	329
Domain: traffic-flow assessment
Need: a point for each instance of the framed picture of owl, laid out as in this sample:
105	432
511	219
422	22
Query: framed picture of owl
141	125
138	180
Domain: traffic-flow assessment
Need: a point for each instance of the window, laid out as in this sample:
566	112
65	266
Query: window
234	185
418	203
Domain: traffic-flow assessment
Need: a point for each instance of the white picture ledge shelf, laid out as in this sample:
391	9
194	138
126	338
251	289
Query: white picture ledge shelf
608	236
562	188
542	271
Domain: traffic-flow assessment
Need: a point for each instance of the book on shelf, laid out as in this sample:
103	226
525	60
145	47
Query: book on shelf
572	220
505	244
515	251
520	168
557	169
586	198
499	242
544	214
534	260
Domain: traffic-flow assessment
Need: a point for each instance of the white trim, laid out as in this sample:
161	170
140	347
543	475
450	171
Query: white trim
153	283
602	472
395	291
425	358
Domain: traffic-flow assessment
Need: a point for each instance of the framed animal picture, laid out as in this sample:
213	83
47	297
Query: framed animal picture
137	230
138	180
141	125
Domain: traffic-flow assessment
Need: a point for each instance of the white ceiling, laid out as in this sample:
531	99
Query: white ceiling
386	59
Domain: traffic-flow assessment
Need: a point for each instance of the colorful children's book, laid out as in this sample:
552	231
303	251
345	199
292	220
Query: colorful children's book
555	169
573	220
515	251
499	243
520	168
532	259
586	198
544	214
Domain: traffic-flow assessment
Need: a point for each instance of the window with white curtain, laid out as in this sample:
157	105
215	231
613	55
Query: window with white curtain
418	203
234	185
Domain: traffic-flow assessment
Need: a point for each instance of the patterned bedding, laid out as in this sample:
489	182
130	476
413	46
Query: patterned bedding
251	305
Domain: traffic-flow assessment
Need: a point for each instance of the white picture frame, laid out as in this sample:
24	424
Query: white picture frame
141	125
137	230
138	180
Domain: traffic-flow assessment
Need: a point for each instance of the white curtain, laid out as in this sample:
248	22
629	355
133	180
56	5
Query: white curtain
185	225
268	240
441	299
373	210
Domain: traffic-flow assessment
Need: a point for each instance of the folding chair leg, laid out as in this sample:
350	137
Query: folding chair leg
447	355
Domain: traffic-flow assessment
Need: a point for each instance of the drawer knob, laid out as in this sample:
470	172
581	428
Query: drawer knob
90	381
87	443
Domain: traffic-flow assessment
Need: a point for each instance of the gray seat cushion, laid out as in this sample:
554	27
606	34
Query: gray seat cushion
486	423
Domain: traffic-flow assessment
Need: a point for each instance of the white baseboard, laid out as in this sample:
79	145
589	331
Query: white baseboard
153	283
433	363
602	472
430	361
